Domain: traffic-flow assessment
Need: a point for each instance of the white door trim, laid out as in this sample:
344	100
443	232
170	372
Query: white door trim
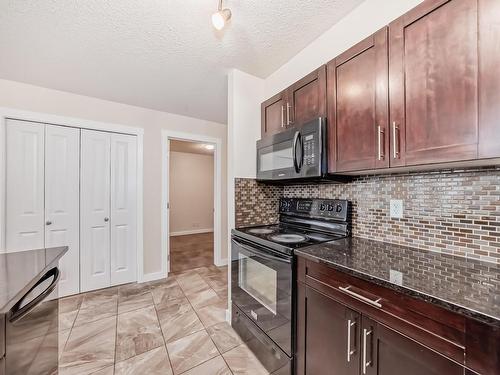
166	136
46	118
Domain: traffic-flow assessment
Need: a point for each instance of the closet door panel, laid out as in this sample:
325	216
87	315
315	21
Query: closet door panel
95	210
25	185
62	189
123	208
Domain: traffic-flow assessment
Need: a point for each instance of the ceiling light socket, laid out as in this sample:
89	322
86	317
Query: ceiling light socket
221	17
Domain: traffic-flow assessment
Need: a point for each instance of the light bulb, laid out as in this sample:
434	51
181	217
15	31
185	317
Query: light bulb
209	147
220	18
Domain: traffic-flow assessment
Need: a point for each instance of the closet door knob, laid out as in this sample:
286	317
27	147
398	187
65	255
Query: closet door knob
48	222
106	219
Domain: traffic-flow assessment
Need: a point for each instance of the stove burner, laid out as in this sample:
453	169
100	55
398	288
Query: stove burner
288	238
319	236
261	231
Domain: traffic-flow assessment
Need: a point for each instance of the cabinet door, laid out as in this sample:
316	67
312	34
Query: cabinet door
307	98
433	83
386	352
62	191
358	107
123	208
489	79
331	343
95	210
273	115
25	185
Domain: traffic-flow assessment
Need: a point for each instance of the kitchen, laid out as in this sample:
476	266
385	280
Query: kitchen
359	208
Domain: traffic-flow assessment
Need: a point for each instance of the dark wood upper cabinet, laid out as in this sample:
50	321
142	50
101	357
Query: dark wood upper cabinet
489	78
273	115
433	83
303	101
307	98
357	91
386	352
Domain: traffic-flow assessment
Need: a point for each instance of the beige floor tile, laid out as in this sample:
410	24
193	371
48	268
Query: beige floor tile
164	296
224	337
138	331
105	371
68	310
98	305
203	298
212	314
62	340
163	283
134	302
133	289
191	351
215	366
192	283
242	361
153	362
178	320
89	348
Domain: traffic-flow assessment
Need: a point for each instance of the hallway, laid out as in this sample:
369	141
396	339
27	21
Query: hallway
191	251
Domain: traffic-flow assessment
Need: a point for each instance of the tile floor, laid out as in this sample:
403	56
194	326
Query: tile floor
174	326
191	251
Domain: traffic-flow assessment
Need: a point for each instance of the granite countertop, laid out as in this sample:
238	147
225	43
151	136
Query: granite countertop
466	286
19	271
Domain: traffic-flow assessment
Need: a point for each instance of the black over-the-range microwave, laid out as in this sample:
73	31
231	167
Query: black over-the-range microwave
298	154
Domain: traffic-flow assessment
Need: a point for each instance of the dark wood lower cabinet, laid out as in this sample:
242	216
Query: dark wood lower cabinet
332	336
336	340
386	352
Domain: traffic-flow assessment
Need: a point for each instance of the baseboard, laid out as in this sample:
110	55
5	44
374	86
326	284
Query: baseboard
193	231
152	277
221	262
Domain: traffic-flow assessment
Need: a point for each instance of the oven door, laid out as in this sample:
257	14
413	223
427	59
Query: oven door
293	154
261	287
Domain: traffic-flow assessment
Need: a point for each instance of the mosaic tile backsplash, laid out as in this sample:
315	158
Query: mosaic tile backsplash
450	211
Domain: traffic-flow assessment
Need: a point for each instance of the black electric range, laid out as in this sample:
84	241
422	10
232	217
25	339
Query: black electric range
262	274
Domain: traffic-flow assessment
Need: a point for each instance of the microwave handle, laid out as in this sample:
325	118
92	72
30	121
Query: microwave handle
261	253
297	140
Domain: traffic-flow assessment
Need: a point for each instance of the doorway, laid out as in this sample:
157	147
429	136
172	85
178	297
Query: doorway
191	218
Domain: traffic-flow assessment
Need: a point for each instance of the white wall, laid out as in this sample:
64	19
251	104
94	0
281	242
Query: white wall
191	193
33	98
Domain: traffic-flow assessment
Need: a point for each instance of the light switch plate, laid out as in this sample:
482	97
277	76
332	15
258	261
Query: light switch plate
396	277
396	209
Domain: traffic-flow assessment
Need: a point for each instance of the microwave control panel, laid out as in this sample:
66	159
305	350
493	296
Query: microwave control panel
310	152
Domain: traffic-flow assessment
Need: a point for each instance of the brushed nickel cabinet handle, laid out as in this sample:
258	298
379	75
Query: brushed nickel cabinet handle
395	140
106	219
48	222
350	351
366	363
288	121
347	289
381	132
282	116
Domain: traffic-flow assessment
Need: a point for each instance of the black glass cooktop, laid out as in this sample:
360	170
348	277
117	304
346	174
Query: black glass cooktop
285	237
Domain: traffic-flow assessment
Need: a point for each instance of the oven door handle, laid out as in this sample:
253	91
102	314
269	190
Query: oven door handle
17	312
260	253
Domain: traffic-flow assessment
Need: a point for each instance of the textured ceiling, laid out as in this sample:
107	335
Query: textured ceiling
190	147
159	54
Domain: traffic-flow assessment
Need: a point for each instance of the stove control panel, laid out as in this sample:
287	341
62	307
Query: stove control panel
316	208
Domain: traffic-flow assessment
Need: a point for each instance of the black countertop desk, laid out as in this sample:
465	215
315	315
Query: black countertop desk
19	271
465	286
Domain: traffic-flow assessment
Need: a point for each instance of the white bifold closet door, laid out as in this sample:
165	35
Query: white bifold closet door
123	208
62	192
43	164
25	185
108	204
